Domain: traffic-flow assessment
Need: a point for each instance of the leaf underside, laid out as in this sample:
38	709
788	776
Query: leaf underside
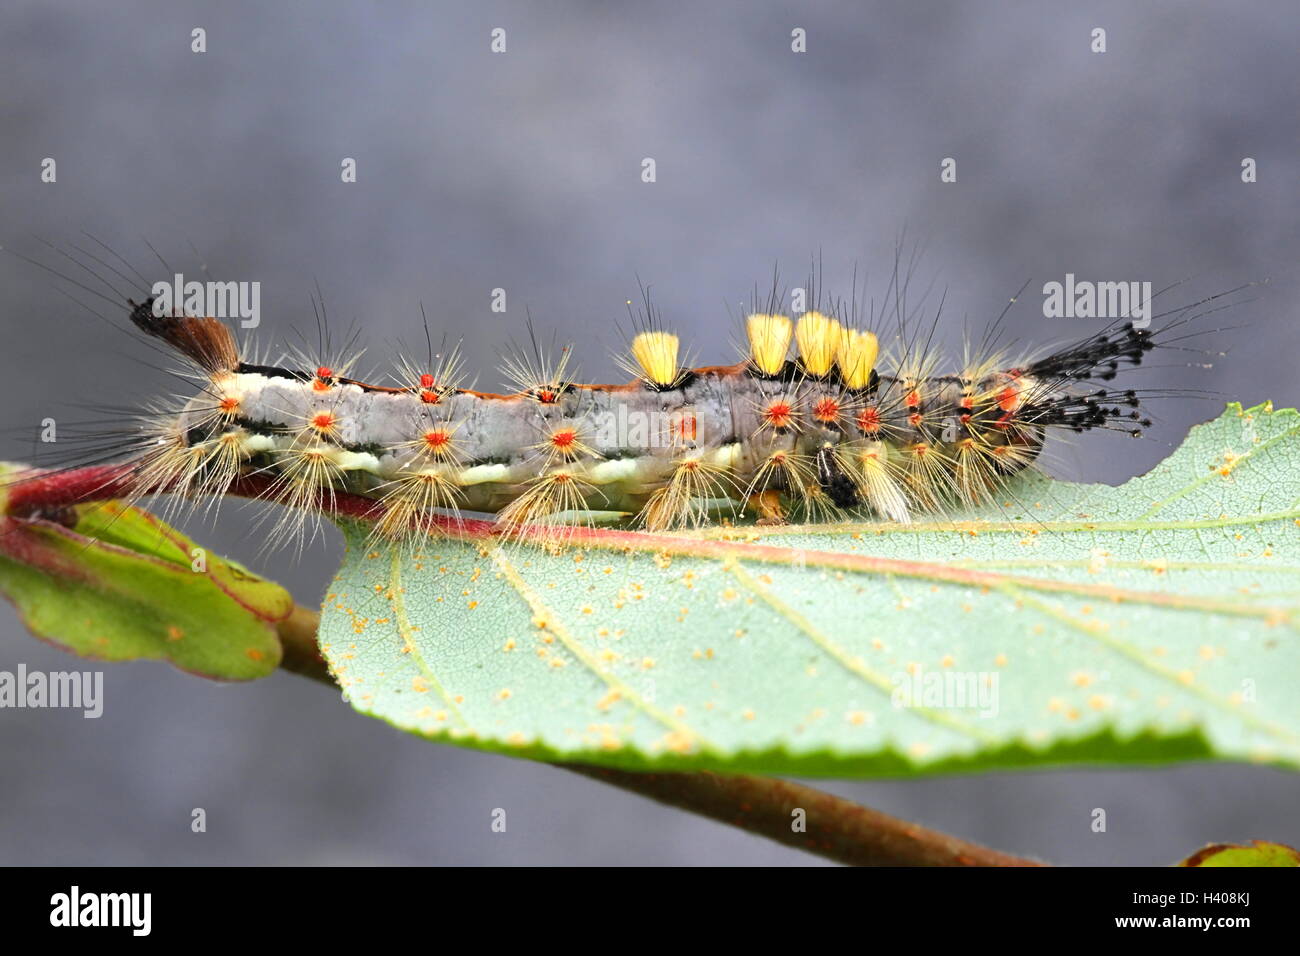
1066	623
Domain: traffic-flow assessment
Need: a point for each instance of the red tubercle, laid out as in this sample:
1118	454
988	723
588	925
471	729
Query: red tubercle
429	393
868	421
324	421
564	440
437	439
779	414
826	410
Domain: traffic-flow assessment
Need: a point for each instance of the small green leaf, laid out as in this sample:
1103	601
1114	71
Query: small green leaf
1069	623
1259	853
121	585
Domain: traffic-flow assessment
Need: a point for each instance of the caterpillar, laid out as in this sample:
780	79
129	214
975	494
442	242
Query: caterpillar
812	421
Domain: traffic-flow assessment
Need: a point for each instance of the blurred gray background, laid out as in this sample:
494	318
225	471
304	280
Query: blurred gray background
522	171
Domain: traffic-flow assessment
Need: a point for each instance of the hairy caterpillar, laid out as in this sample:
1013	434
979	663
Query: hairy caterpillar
813	422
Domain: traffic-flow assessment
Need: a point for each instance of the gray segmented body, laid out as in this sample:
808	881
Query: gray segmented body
632	437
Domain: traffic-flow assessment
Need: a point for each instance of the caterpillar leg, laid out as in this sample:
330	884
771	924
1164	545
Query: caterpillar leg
767	504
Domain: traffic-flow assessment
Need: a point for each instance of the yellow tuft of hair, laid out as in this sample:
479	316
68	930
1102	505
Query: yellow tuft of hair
819	339
857	357
876	474
655	352
781	471
769	341
410	499
684	501
550	493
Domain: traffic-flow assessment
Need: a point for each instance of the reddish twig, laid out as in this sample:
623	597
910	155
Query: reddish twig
805	818
45	491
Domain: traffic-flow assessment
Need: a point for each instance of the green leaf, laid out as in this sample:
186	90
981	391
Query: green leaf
115	583
1259	853
1151	622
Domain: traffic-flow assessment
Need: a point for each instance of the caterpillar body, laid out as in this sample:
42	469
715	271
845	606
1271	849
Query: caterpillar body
812	422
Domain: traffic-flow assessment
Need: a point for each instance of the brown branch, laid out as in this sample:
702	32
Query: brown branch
829	826
832	827
301	654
